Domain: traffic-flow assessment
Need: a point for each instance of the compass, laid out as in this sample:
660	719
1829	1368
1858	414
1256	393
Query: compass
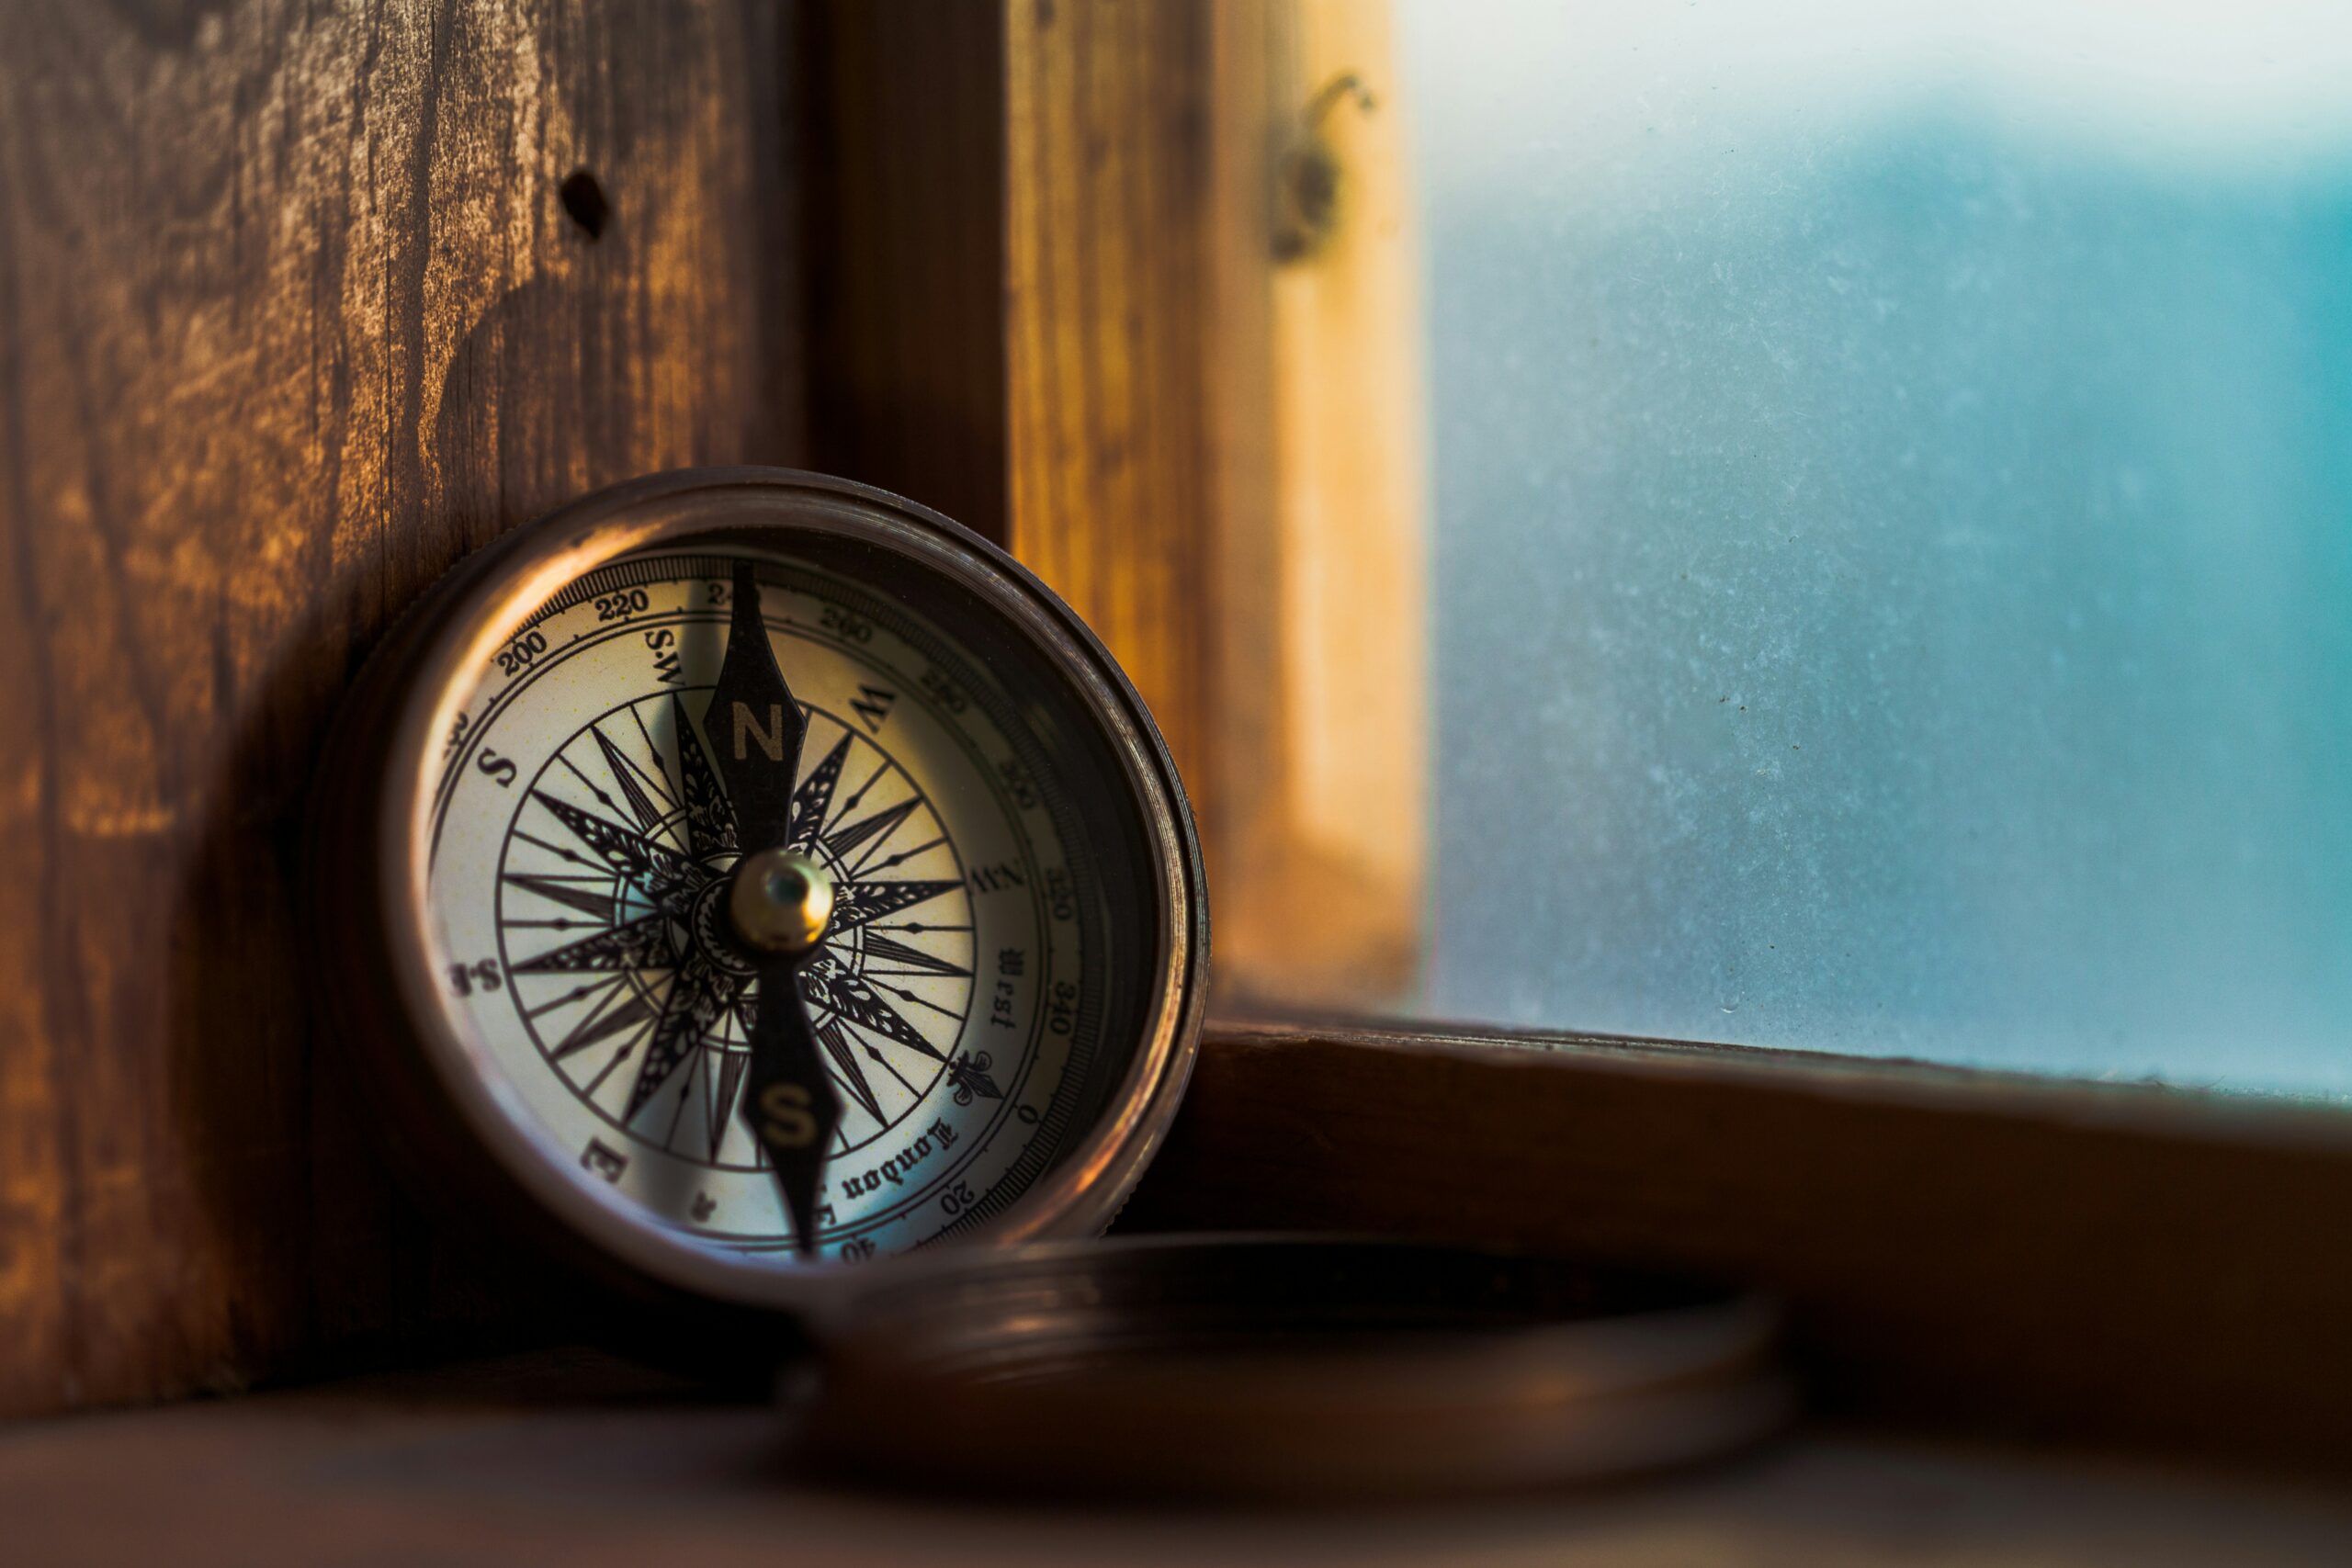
741	874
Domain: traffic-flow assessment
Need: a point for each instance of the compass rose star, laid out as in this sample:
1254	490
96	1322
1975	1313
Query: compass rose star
814	799
666	938
857	1001
647	828
642	943
863	902
711	819
702	992
666	879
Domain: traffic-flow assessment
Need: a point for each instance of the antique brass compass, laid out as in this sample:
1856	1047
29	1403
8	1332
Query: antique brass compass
741	874
741	879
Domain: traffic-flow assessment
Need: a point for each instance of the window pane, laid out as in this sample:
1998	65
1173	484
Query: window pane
1893	527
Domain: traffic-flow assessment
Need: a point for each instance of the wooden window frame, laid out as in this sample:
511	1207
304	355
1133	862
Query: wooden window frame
2131	1265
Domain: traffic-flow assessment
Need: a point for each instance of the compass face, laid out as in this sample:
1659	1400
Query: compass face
987	1025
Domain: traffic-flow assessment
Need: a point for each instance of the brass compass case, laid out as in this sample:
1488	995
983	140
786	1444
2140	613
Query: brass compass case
1095	1025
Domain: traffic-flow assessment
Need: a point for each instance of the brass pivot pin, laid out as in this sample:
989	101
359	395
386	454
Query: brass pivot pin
781	904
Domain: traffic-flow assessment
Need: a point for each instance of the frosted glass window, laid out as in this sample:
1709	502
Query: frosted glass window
1893	527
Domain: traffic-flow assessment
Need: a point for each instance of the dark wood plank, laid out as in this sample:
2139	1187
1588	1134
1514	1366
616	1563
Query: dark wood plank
291	315
904	192
2127	1265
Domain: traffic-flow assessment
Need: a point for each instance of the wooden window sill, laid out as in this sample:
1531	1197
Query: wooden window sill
2110	1264
570	1457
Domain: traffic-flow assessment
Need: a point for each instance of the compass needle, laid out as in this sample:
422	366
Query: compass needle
755	724
788	1101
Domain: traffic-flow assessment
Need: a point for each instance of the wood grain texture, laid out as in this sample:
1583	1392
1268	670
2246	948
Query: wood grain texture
1214	442
1108	206
2116	1265
904	195
291	315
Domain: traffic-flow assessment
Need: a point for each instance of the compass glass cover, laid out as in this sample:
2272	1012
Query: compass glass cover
581	843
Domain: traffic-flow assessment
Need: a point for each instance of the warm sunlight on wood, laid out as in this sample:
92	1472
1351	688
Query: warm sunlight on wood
1214	442
1322	904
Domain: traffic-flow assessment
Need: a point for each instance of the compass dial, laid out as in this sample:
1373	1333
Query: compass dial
626	729
595	920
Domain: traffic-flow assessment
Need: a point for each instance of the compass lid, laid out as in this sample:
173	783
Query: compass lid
1282	1367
